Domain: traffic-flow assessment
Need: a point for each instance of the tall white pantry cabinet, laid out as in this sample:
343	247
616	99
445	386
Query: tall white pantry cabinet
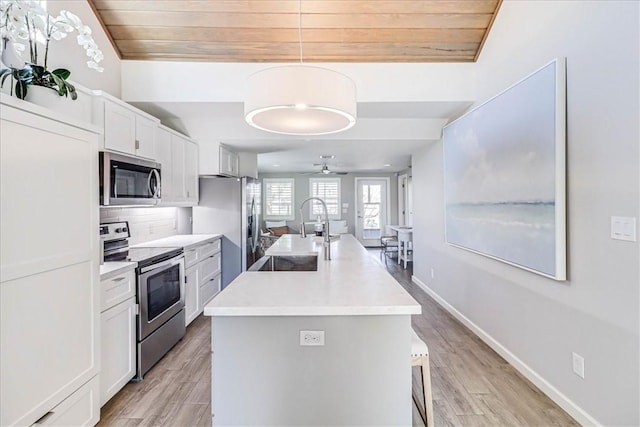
49	267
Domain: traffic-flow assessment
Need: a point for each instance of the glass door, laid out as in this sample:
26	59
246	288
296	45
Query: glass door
372	209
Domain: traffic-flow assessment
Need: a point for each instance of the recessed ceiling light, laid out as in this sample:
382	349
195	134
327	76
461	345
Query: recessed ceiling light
327	156
386	165
276	166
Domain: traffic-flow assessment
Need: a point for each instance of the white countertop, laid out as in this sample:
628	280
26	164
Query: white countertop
352	283
179	241
115	268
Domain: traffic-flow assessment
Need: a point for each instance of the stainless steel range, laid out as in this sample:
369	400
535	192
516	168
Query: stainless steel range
160	293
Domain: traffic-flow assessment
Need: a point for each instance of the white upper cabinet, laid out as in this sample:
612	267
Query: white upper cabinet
120	127
126	129
164	157
178	156
229	163
191	172
218	159
146	130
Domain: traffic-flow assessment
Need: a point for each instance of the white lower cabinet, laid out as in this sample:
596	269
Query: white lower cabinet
118	349
203	268
208	290
79	409
117	333
192	289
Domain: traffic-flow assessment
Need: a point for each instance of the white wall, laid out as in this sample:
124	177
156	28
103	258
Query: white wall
68	54
538	322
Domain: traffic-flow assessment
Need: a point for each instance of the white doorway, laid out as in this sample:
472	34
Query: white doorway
405	208
372	209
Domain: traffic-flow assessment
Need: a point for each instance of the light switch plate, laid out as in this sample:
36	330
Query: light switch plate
578	364
623	228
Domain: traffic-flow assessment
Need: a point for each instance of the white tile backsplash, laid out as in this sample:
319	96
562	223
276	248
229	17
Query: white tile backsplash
145	224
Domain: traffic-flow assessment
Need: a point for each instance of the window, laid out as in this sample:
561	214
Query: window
327	189
278	198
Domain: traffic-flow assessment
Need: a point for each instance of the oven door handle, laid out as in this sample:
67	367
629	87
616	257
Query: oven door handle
162	265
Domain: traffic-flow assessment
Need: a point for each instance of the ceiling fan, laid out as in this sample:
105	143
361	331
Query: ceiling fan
326	171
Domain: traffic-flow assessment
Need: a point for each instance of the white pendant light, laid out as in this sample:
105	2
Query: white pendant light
300	99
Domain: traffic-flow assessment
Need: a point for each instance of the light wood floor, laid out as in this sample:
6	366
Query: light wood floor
472	385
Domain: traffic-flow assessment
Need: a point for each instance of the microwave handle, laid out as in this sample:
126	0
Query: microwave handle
156	189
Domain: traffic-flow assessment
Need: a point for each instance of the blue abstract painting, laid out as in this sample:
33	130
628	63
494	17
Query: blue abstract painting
504	164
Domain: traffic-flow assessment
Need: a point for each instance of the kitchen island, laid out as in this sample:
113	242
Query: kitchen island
355	320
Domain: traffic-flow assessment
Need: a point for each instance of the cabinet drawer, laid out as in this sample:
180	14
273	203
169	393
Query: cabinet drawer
208	249
81	408
114	291
208	290
190	257
209	267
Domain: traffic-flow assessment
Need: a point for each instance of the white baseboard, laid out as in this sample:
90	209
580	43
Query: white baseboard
579	414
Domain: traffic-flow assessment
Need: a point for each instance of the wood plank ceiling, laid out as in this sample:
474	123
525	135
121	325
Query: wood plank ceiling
268	30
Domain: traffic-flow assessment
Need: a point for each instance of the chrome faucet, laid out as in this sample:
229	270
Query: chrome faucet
326	244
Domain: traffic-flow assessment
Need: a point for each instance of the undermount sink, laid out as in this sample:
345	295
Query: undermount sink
286	263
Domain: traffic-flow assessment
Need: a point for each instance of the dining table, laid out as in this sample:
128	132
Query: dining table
405	243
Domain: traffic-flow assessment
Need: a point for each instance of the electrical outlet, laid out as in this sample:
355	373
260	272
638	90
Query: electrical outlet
578	365
311	337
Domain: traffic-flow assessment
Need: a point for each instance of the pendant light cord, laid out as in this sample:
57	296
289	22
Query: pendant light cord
300	27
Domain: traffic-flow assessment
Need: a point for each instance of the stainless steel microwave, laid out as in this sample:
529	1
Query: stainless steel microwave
126	180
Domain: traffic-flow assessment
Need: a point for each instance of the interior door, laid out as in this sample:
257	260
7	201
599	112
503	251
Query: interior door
372	211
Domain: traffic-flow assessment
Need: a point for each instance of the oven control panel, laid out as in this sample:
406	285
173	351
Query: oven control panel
114	231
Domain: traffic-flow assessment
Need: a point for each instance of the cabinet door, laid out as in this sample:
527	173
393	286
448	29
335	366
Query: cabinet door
191	297
48	327
164	157
191	172
227	162
234	163
145	137
118	348
119	128
177	156
49	298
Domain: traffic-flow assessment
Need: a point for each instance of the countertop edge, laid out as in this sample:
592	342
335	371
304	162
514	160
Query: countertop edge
311	311
113	271
198	240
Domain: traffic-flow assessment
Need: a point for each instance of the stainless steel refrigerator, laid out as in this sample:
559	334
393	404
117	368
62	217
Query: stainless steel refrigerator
230	206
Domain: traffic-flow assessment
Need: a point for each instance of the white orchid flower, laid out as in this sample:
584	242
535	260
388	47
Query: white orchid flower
58	35
19	47
27	21
94	65
71	18
22	34
84	30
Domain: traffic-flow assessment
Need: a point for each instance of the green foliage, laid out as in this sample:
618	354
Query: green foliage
37	75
